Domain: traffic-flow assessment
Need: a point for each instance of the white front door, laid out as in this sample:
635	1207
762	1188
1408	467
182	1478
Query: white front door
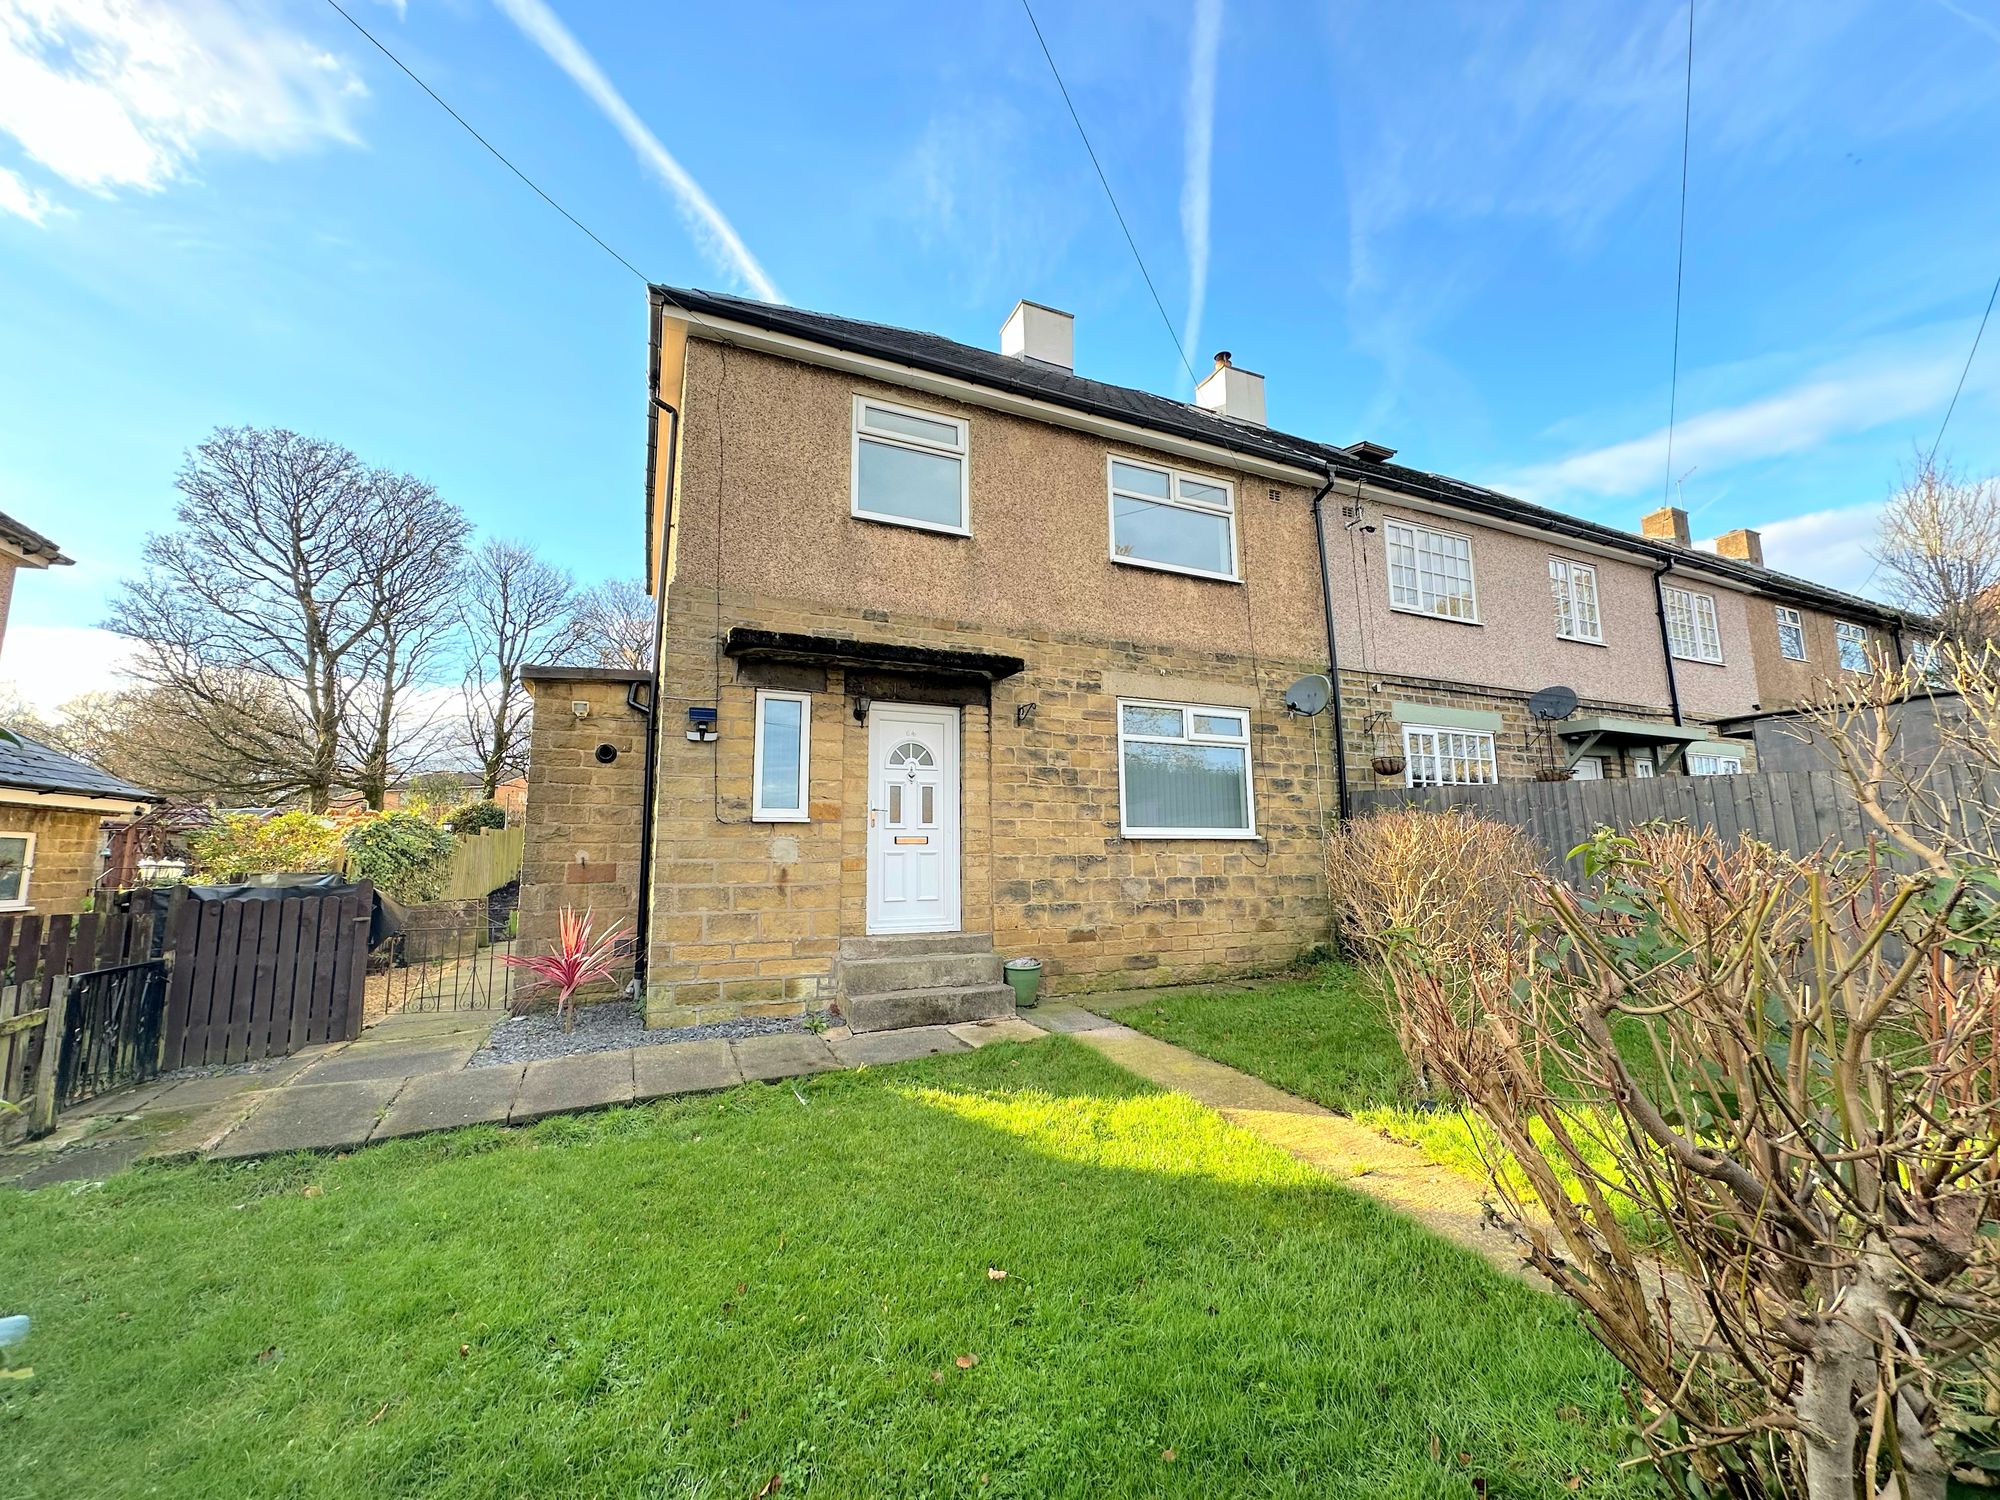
1589	768
912	818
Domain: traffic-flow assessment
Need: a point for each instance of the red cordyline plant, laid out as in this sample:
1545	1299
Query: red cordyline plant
580	957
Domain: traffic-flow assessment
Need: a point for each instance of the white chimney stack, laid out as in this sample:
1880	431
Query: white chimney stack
1042	334
1230	392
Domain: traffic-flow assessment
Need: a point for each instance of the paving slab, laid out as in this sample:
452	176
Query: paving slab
198	1093
311	1117
873	1048
763	1058
683	1068
562	1085
445	1101
79	1164
999	1029
389	1061
1064	1017
433	1023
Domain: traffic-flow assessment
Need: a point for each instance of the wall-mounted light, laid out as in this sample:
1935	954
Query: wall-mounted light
862	703
580	707
701	724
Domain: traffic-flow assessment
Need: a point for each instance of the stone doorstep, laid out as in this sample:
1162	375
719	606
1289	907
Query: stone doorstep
565	1085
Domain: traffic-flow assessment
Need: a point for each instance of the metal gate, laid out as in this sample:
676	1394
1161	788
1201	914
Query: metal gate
111	1029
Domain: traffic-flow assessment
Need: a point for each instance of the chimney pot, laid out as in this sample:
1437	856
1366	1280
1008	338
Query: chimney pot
1667	524
1230	392
1045	335
1743	544
1222	359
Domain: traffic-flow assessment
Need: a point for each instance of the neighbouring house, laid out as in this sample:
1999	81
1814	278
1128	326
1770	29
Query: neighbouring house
965	655
56	814
1928	730
20	548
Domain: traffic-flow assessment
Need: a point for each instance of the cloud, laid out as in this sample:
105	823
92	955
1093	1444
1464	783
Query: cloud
1198	172
716	236
112	95
1828	546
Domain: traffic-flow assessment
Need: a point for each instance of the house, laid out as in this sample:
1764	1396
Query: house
20	548
965	655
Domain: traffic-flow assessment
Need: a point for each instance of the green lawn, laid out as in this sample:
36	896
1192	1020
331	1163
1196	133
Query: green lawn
686	1299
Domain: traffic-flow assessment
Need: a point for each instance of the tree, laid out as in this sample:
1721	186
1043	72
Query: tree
515	610
167	743
1940	551
615	625
290	610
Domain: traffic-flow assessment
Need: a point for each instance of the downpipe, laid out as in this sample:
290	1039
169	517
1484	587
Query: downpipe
642	919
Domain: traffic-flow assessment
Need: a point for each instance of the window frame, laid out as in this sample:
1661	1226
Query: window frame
1174	501
1850	633
1717	762
1492	758
1570	569
22	901
1694	624
759	813
860	433
1797	622
1188	737
1392	523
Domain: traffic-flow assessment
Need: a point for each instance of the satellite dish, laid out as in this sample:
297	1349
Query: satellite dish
1553	703
1309	695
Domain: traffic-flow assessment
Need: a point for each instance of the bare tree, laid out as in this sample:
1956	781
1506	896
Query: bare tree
273	619
1940	550
615	623
515	609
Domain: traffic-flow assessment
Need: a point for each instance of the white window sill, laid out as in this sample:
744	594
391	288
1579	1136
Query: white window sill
1160	567
904	521
780	817
1581	640
1701	661
1240	835
1426	614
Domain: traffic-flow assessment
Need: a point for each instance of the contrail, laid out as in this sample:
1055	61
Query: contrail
1199	160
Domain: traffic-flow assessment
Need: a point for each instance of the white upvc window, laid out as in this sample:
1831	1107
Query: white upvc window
1643	768
1430	572
1691	629
1164	518
781	763
1184	771
1924	659
1791	633
1448	757
1853	642
1715	765
17	864
1574	587
910	467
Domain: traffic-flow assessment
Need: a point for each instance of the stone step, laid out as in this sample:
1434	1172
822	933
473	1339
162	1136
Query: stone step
915	943
919	971
891	1010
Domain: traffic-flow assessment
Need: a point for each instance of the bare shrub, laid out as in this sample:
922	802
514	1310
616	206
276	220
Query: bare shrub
1448	882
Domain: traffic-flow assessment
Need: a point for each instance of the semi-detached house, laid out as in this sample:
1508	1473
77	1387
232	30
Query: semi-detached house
964	655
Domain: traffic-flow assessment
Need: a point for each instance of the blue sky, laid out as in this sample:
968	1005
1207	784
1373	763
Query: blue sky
1446	228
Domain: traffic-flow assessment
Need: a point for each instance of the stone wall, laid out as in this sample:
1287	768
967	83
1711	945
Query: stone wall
66	863
582	838
748	916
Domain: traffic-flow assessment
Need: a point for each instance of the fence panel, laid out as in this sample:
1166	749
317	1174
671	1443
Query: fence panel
483	863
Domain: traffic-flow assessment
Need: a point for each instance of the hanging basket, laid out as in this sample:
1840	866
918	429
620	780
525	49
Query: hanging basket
1554	773
1387	765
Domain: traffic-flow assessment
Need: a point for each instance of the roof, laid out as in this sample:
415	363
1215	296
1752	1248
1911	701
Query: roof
31	766
38	548
1003	372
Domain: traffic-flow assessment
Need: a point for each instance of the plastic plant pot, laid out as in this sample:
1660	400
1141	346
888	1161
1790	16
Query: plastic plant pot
1025	975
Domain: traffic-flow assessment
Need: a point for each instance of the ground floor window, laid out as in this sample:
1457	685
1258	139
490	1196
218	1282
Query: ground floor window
1184	771
17	859
1642	767
1715	765
783	753
1448	757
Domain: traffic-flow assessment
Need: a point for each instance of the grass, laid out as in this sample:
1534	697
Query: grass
686	1299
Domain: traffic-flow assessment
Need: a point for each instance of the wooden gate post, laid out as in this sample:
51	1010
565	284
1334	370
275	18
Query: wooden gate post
42	1108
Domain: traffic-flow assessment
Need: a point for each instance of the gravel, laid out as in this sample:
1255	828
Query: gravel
611	1027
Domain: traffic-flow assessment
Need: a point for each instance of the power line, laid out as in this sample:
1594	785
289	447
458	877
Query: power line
1680	262
1113	197
1956	390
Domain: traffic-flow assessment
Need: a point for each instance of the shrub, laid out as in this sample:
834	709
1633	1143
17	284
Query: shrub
475	816
404	853
242	844
1448	881
435	792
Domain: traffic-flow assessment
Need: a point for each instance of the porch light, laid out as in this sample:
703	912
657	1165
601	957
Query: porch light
701	724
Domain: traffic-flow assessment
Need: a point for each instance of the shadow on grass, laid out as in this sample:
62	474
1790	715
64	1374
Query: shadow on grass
685	1299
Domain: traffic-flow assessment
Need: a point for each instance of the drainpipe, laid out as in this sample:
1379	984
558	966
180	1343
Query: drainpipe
642	924
1332	646
1666	640
1896	635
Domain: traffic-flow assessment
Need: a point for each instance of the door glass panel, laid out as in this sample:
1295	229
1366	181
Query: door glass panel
895	804
928	799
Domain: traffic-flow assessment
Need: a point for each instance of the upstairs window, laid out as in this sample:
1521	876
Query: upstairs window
1691	629
1162	518
1184	772
782	757
1574	586
1430	572
1448	757
1853	642
909	467
1791	634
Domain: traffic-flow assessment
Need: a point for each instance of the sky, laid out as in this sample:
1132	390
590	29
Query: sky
1446	228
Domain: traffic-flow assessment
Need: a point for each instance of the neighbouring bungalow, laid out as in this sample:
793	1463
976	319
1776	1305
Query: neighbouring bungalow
965	656
55	817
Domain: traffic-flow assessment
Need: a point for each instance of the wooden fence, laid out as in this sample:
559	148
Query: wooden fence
483	863
1796	811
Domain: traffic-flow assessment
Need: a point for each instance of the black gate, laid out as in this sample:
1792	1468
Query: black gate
111	1029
